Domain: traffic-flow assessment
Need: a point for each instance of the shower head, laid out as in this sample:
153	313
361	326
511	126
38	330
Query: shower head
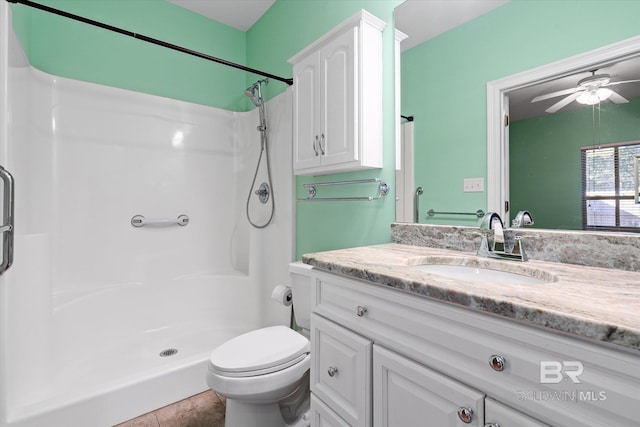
254	92
250	92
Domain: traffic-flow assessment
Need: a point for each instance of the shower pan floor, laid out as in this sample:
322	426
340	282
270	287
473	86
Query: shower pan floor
130	379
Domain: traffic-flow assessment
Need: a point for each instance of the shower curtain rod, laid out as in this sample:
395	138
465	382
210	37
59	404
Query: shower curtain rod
151	40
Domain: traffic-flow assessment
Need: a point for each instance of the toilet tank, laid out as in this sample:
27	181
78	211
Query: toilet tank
301	283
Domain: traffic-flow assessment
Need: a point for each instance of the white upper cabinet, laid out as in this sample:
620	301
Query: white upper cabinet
338	99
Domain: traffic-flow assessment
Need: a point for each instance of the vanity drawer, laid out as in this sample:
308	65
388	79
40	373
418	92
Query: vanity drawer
323	416
539	366
341	370
498	415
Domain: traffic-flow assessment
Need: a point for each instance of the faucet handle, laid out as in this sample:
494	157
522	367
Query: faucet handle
518	248
522	218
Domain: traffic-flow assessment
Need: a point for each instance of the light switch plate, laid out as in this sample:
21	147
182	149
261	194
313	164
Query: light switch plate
473	185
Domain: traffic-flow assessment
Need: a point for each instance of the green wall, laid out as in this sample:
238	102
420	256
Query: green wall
66	48
331	225
444	84
79	51
544	153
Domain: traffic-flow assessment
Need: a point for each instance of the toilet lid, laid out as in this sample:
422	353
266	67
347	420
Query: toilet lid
259	352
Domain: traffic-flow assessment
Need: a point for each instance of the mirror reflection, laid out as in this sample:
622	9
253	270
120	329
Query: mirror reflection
636	180
569	155
572	144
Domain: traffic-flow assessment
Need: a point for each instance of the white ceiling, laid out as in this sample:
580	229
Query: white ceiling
422	20
240	14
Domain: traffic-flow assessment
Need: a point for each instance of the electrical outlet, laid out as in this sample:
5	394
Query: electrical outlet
473	185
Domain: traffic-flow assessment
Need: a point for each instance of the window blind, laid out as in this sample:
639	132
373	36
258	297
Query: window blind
607	187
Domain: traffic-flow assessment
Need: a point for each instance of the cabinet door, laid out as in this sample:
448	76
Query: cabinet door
323	416
341	370
306	113
408	394
498	415
338	137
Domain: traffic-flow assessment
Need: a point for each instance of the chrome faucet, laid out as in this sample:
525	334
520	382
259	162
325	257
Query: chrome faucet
492	221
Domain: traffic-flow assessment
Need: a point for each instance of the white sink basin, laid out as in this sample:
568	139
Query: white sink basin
479	274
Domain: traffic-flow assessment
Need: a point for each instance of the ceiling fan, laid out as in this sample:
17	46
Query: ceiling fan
590	91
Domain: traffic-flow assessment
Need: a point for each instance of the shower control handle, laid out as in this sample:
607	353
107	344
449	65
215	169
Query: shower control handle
315	146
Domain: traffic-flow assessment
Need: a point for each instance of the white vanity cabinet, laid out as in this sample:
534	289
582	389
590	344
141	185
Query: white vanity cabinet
403	361
337	107
409	394
341	371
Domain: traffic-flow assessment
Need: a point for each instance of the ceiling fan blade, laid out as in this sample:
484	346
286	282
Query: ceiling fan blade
554	94
563	102
616	98
619	83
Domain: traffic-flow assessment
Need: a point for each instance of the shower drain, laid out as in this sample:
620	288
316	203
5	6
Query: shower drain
168	352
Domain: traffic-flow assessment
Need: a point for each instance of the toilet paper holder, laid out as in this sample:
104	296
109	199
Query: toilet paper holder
282	294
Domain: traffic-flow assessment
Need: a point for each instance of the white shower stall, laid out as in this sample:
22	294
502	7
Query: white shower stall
104	321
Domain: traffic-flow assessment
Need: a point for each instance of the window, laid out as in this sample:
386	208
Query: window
607	187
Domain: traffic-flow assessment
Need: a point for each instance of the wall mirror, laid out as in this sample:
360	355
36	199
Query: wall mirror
636	180
590	127
569	159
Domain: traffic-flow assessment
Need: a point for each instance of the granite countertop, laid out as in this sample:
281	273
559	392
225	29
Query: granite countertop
596	303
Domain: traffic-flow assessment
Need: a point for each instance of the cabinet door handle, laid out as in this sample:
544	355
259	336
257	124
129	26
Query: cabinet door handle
465	415
315	146
332	371
361	310
497	363
492	425
322	143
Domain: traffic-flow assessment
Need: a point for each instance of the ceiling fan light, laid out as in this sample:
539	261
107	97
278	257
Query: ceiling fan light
589	97
604	93
594	96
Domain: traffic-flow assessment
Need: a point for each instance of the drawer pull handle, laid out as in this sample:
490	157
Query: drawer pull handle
332	371
492	425
361	311
497	363
465	415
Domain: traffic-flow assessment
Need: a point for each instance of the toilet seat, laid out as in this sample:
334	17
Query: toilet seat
259	352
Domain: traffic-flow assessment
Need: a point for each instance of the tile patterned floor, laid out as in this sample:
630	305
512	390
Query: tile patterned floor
202	410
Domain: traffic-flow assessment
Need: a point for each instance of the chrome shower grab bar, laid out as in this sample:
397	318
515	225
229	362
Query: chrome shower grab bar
383	190
416	204
479	213
141	221
7	216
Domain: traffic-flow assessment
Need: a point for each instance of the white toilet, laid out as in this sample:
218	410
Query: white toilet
264	374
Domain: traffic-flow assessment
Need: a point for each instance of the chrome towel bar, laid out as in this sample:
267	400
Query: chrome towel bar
383	190
479	213
141	221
